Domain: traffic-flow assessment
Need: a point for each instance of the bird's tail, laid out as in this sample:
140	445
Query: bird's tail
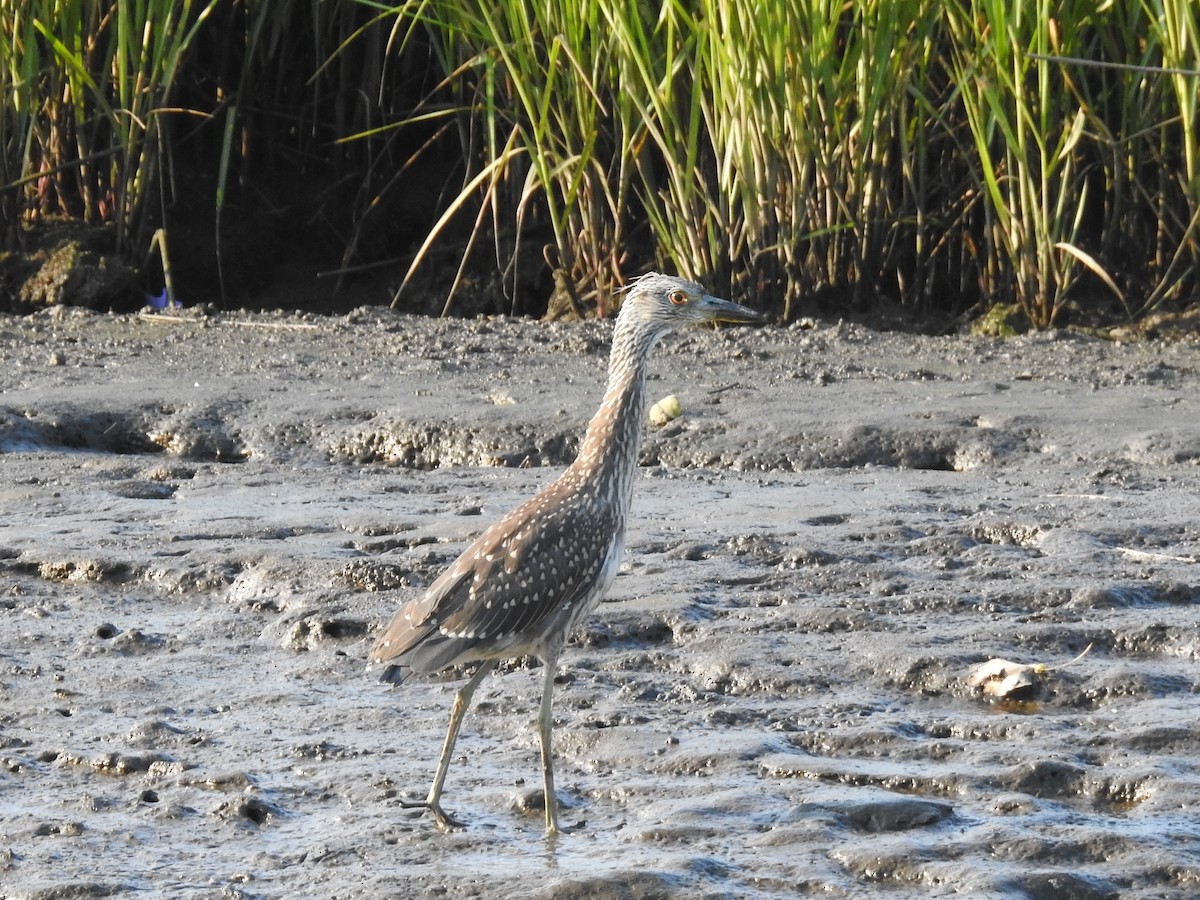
395	673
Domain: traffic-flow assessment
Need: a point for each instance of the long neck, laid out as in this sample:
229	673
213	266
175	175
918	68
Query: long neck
609	452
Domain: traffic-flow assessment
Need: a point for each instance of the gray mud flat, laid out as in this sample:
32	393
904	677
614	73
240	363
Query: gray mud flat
205	523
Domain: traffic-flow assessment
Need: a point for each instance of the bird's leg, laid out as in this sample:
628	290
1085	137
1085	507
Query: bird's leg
462	700
545	724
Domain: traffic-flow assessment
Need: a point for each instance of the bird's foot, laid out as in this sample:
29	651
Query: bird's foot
553	826
445	821
556	828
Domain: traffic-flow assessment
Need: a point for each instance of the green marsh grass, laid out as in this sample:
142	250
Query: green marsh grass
935	155
903	150
1027	126
1174	29
87	84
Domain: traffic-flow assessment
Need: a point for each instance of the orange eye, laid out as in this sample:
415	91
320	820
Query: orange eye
678	297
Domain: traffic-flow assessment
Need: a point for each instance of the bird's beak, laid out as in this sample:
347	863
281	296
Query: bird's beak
715	309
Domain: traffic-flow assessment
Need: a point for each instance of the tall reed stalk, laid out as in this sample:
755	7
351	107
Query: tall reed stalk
806	108
537	79
1175	33
90	83
18	72
1027	127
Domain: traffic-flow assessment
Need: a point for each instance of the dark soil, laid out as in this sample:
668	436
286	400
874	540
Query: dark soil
206	520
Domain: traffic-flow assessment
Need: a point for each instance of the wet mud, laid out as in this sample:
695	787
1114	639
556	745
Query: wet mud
205	522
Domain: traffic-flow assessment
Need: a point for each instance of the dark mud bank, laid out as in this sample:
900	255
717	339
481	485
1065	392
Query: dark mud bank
206	521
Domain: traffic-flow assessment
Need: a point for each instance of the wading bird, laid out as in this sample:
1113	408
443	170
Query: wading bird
524	585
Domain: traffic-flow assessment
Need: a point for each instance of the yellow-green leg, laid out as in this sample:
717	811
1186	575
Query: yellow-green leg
545	726
462	700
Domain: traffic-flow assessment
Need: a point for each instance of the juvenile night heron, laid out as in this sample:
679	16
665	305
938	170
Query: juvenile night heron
524	585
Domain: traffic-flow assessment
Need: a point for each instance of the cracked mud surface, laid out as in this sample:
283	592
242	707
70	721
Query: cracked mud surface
204	523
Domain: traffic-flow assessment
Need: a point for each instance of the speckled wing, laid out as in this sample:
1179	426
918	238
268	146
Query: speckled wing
518	583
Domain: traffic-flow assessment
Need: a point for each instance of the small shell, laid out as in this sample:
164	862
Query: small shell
994	670
1005	679
1008	680
665	410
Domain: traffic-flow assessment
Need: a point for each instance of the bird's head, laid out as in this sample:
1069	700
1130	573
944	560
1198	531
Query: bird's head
663	303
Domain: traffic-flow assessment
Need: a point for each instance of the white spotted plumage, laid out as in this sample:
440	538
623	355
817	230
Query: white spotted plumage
523	585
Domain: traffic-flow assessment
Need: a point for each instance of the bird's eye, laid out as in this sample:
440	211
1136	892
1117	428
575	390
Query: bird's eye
678	297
